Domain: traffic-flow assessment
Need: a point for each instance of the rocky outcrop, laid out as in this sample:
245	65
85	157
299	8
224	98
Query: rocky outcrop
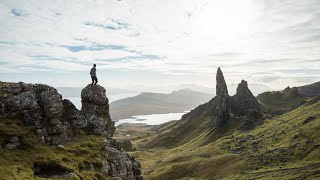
244	103
221	86
57	121
95	108
220	105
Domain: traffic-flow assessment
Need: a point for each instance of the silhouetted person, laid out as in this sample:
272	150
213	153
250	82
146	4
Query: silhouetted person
94	75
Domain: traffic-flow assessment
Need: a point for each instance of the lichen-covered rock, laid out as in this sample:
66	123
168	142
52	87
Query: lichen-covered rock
13	143
95	108
57	121
52	103
121	165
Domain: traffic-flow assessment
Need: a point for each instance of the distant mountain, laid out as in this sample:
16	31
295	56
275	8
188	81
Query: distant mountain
198	88
153	103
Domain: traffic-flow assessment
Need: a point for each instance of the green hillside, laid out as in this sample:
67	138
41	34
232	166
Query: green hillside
55	162
284	147
310	90
281	101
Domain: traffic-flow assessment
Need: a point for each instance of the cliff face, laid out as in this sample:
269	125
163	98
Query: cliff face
220	107
57	121
244	102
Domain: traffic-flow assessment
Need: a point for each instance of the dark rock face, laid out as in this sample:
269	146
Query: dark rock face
223	106
220	104
221	86
243	103
221	112
57	121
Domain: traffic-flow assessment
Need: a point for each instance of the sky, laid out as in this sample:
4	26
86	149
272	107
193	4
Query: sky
158	45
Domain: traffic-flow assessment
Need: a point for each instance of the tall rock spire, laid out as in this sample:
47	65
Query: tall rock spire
221	101
221	87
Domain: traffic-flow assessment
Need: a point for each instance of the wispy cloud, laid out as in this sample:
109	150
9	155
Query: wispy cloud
18	12
259	40
94	48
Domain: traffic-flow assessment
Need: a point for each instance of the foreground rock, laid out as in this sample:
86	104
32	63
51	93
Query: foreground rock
57	121
95	108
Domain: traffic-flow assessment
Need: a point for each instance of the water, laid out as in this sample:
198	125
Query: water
153	119
77	100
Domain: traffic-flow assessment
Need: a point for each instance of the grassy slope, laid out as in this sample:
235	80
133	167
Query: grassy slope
282	147
279	101
76	157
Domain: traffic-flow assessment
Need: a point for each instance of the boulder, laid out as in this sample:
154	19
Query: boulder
13	143
121	165
95	108
52	104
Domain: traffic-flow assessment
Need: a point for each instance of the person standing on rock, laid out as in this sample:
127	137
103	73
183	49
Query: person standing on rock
94	75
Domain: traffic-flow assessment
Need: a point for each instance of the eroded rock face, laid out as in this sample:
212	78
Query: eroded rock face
220	105
57	121
121	165
244	103
221	86
95	108
221	112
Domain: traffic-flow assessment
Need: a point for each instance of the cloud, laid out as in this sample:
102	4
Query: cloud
93	48
18	12
260	40
110	24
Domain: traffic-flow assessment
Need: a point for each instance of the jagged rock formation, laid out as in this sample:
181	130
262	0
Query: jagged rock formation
223	106
221	86
244	103
57	121
220	106
42	106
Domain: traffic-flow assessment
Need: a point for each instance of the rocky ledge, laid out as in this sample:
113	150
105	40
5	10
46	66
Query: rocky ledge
57	121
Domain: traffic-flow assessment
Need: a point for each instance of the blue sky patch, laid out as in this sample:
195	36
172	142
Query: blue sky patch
94	48
18	12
